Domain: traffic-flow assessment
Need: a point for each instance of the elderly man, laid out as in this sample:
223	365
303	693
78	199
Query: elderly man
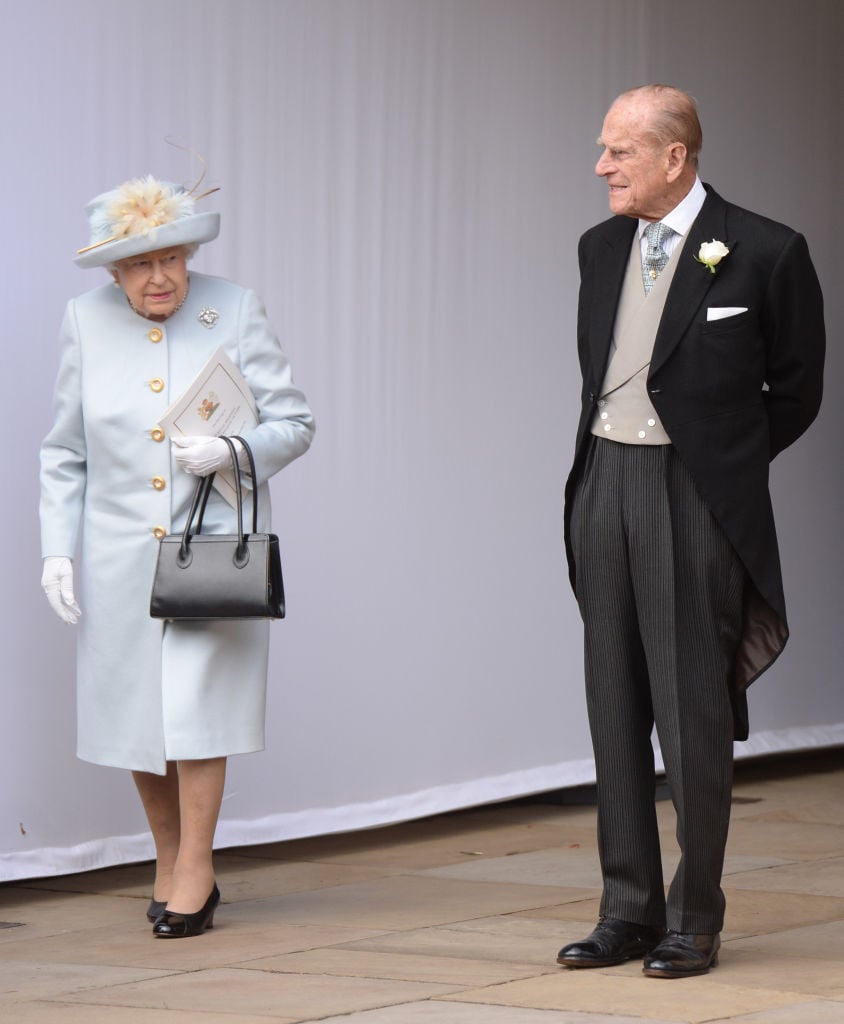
700	336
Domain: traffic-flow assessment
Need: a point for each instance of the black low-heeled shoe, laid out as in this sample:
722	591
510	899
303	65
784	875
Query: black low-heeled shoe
172	925
155	909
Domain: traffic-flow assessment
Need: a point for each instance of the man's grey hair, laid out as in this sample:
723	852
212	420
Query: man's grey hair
674	119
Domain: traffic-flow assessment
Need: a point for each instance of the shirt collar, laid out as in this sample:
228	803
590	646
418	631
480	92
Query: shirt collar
681	218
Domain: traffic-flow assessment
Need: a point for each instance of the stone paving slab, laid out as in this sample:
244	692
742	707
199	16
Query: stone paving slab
821	878
749	912
754	912
572	917
56	1012
121	880
625	990
405	966
406	901
810	812
21	980
573	867
814	942
40	914
245	878
815	1012
442	1012
420	845
552	815
812	841
238	878
756	968
230	941
293	997
491	939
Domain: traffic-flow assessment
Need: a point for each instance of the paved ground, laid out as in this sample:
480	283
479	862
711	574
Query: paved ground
454	920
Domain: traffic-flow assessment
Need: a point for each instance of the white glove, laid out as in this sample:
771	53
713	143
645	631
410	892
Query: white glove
200	456
57	581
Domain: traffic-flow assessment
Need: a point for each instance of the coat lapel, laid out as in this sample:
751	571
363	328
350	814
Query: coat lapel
618	238
691	280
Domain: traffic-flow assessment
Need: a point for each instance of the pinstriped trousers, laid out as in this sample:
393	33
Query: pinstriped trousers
660	590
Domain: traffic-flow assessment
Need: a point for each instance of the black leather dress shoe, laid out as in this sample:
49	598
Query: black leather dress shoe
683	955
155	909
612	942
172	925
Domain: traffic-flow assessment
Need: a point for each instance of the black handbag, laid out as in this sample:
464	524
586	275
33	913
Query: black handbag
219	576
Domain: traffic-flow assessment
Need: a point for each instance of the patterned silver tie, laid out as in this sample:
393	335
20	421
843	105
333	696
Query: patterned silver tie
655	258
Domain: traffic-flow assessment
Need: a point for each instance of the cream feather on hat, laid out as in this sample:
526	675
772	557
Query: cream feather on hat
143	215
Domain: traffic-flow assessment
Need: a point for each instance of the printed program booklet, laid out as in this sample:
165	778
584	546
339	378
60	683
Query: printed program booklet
218	401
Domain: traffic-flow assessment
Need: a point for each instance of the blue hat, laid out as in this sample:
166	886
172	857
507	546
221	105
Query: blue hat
143	215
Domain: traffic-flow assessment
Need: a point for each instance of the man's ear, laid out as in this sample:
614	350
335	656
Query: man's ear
675	161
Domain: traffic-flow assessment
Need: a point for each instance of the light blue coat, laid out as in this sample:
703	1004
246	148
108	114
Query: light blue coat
150	692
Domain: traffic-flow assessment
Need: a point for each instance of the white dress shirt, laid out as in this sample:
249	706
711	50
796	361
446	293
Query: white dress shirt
679	220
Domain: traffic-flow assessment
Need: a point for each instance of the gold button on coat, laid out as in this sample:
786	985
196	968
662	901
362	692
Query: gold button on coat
159	532
155	335
157	434
159	483
156	384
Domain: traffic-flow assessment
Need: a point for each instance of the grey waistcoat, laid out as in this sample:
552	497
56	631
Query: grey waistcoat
625	412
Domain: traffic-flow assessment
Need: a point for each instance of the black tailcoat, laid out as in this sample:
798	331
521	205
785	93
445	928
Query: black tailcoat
731	393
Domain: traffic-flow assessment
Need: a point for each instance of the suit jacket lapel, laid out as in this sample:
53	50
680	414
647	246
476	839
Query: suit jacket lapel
691	280
618	238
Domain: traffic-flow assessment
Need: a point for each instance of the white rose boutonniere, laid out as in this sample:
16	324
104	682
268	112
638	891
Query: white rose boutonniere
711	253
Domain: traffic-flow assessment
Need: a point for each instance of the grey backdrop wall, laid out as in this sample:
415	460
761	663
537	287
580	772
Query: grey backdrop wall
404	181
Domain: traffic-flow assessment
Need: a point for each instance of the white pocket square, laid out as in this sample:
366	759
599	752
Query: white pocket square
722	312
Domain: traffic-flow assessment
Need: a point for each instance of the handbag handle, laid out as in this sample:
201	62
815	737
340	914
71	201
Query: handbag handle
250	457
200	500
236	469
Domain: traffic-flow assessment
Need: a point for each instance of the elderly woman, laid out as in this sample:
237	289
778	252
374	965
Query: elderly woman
168	701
